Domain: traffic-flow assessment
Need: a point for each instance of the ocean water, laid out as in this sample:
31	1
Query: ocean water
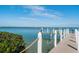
30	34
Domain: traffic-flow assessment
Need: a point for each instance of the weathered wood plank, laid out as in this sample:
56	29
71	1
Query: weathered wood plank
67	45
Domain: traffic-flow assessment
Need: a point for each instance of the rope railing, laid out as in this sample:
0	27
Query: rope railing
29	46
63	34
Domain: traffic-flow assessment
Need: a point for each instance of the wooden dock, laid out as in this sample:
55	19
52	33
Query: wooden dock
67	45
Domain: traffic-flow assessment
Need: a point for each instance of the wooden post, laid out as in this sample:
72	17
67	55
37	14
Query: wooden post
47	30
61	35
55	38
76	34
40	42
67	31
42	29
51	35
53	30
77	38
64	33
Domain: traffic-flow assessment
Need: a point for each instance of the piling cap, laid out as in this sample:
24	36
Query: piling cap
39	34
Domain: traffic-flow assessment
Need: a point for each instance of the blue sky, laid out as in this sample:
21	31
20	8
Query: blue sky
36	15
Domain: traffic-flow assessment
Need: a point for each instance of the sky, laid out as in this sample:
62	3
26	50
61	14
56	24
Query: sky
39	15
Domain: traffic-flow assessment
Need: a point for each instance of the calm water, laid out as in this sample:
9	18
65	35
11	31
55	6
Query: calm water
30	34
27	33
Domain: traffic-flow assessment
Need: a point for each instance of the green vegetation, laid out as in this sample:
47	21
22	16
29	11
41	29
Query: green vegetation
11	43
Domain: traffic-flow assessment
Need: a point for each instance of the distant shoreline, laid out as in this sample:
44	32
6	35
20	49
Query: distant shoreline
38	27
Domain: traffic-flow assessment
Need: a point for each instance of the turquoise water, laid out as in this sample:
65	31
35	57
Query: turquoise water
30	34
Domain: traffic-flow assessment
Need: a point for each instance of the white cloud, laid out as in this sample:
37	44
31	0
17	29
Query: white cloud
43	12
48	16
35	8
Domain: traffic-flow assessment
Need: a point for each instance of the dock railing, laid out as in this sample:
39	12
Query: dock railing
63	34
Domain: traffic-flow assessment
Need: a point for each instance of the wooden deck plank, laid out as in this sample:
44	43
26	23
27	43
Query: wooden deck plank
67	45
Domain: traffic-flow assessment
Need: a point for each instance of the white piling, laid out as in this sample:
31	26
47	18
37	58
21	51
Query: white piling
61	37
55	38
40	42
51	35
64	35
77	38
42	29
76	34
47	30
67	31
53	30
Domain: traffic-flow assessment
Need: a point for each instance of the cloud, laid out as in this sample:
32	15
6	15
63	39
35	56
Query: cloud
40	11
35	8
39	16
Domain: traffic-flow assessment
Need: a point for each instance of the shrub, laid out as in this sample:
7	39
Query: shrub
10	42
